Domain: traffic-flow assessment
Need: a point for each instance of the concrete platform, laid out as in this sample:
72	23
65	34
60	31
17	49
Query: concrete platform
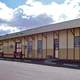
23	71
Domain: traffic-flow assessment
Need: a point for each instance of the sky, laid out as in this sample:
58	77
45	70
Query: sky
18	15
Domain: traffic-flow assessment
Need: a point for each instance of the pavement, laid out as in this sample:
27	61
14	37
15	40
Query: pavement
10	70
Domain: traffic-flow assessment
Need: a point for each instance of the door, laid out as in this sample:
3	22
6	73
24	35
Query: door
56	48
29	47
1	50
18	50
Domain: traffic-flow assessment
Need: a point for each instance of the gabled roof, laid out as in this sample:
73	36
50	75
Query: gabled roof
47	28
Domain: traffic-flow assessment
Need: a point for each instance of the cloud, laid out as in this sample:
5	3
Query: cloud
34	13
31	21
4	28
6	13
70	9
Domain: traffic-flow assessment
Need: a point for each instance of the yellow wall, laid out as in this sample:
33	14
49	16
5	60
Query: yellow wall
65	40
39	37
11	49
35	47
77	53
70	45
7	50
5	45
50	44
30	54
25	47
44	45
63	44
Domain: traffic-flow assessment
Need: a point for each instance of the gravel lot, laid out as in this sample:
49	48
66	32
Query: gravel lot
24	71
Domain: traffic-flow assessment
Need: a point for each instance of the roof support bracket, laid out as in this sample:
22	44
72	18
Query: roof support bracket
73	31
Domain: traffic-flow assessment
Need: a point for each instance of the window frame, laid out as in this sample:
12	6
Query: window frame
1	47
30	47
18	47
56	43
39	46
77	41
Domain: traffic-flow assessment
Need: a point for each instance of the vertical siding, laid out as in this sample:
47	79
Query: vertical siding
30	54
50	44
35	47
77	48
62	44
25	47
70	45
39	37
44	45
5	49
66	40
1	48
33	54
11	47
5	45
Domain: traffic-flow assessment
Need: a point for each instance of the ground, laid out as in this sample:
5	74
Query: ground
24	71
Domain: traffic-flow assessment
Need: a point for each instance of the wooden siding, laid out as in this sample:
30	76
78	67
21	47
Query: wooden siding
67	50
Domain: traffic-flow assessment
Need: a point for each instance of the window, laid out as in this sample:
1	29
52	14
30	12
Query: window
11	46
29	46
1	48
77	41
39	46
18	44
56	43
18	47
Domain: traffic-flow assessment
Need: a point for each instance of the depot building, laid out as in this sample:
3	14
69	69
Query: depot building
55	41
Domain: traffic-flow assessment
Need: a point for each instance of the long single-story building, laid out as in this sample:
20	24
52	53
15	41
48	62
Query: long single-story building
57	41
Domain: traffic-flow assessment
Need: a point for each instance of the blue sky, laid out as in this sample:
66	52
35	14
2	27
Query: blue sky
17	15
50	1
16	3
13	3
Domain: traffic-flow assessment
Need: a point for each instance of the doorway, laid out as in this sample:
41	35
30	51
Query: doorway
56	48
18	50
